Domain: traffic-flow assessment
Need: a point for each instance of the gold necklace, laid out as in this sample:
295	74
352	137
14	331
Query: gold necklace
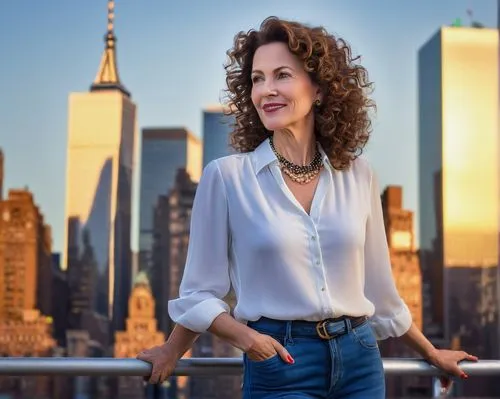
298	173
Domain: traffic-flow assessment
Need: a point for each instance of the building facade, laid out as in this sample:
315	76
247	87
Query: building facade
459	182
97	251
172	219
217	127
399	230
164	151
25	257
26	325
404	258
60	301
141	333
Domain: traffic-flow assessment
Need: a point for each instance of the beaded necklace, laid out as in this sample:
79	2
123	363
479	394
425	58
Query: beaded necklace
298	173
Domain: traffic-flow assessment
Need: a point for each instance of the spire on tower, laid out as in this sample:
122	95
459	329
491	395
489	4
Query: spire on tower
107	77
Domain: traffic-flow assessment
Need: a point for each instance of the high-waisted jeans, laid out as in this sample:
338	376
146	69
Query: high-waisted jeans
346	367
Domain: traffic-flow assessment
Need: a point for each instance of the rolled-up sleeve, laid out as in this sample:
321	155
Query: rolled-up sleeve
392	318
206	274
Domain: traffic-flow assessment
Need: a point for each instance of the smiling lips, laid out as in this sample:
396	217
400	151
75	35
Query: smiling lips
272	107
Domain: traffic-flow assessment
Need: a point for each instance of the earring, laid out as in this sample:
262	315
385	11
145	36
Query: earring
317	102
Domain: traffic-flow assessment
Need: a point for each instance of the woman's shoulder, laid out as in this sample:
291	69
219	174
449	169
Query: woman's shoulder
228	162
229	165
361	168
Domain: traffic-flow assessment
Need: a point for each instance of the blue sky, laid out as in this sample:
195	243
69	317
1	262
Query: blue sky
171	55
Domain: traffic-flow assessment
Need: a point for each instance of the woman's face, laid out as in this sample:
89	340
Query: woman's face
282	91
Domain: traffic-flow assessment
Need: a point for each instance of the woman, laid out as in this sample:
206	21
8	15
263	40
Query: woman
294	223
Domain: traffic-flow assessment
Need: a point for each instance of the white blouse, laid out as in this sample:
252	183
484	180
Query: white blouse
248	230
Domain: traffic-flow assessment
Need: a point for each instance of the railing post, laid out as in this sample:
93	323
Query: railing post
441	387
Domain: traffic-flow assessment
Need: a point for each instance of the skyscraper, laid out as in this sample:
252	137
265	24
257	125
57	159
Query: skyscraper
459	180
25	289
216	129
172	220
25	257
97	251
164	151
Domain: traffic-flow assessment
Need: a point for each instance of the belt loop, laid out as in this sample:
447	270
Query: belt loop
288	334
348	324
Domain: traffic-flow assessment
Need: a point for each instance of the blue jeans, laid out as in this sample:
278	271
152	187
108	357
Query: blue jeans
346	367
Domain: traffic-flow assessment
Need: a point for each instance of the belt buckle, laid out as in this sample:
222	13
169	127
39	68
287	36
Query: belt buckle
321	330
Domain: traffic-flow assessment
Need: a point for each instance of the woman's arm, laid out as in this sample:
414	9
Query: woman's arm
446	360
257	346
418	342
181	340
233	332
205	280
164	358
392	317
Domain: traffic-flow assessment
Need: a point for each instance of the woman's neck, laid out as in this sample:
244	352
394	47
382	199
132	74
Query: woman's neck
297	148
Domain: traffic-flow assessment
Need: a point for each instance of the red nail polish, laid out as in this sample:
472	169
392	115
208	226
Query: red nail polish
290	359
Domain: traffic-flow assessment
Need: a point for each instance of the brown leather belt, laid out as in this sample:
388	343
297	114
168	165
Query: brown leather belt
324	329
333	328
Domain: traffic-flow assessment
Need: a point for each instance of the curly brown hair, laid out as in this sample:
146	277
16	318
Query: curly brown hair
342	123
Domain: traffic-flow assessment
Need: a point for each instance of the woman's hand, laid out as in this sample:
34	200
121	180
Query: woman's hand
163	359
257	346
447	360
264	347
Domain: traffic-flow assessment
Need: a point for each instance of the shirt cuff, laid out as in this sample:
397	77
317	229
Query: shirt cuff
385	327
199	317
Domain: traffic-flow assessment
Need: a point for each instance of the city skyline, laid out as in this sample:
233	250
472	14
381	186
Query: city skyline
171	90
449	279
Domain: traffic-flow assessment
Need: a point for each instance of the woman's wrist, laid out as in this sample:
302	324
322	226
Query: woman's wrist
176	351
415	339
180	340
246	339
232	331
430	354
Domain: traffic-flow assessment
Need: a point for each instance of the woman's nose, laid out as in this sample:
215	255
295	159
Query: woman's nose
270	90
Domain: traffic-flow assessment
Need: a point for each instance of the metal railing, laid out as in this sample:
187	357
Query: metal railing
211	366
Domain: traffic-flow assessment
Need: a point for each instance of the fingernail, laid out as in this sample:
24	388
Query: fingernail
464	376
290	359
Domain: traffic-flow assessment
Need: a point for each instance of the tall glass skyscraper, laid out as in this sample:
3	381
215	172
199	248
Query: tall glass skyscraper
216	129
459	180
164	151
97	252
